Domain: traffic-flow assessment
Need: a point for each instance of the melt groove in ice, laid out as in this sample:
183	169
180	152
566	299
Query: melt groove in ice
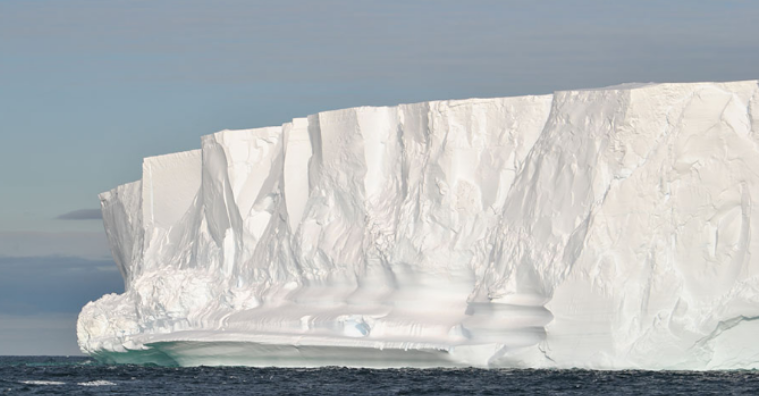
606	228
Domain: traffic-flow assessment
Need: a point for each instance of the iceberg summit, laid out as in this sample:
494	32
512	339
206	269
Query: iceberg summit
608	228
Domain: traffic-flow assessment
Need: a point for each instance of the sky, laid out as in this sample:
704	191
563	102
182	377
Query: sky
89	88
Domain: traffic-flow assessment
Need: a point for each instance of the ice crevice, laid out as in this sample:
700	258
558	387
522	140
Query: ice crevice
604	228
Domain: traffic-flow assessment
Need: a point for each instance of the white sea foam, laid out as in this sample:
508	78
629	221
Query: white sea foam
41	382
97	383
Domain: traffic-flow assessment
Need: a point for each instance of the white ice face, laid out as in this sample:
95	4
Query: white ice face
608	228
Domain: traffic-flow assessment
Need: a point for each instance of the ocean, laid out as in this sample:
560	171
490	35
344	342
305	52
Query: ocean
47	375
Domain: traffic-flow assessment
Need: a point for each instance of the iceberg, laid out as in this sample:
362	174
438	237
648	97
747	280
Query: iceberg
608	228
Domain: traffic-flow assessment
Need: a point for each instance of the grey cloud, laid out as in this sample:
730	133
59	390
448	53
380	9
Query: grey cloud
82	214
86	245
43	285
40	298
42	334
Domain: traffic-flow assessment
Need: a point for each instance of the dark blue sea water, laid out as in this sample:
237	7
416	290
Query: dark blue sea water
83	376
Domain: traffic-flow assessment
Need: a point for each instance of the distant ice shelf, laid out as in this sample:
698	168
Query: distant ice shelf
606	228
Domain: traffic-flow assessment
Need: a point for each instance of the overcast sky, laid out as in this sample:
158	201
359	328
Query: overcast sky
89	88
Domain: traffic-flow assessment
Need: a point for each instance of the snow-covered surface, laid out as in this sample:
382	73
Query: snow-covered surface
607	228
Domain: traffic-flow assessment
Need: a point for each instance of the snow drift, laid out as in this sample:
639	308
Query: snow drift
606	228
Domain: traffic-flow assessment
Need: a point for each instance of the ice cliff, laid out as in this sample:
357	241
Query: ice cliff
605	228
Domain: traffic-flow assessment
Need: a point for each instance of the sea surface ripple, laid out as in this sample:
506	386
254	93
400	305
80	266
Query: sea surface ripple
83	376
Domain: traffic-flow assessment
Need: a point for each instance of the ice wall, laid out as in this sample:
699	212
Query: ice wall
607	228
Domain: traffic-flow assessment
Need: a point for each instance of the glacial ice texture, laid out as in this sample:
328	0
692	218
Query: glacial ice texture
609	228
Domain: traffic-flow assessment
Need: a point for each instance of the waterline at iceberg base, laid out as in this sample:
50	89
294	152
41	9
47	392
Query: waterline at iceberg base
607	228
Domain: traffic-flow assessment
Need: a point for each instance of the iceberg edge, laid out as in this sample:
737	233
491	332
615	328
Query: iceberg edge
608	228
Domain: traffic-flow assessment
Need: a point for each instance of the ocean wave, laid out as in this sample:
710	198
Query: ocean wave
97	383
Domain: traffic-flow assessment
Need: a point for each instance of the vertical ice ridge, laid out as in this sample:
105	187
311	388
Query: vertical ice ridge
297	151
123	217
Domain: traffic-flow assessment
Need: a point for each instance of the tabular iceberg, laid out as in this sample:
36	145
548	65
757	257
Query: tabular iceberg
607	228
